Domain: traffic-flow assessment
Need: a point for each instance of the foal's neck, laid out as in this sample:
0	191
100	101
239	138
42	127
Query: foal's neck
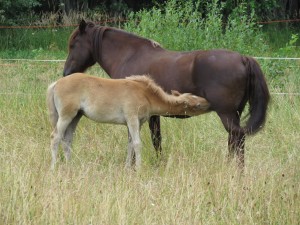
167	105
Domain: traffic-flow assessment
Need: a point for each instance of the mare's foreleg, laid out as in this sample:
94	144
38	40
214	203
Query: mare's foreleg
68	137
154	125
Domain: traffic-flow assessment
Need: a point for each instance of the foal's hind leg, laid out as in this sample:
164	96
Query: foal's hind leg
54	146
68	137
57	136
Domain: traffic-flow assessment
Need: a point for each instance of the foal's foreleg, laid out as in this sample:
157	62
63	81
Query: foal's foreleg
130	160
135	144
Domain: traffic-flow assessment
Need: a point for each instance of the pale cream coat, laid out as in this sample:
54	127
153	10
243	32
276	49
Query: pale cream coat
129	101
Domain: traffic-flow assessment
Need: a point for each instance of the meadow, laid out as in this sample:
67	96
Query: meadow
192	183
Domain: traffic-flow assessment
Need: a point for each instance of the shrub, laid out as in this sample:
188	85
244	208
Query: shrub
179	25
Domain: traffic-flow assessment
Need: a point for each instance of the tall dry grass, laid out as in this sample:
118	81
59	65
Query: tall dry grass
191	184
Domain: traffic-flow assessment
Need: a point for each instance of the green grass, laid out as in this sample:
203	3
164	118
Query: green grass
35	39
191	184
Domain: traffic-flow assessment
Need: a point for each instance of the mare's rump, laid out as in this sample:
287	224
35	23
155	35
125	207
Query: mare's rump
221	77
228	81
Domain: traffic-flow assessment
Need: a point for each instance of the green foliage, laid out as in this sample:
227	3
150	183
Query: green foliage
265	10
168	25
268	9
278	70
290	47
13	12
181	26
243	34
20	11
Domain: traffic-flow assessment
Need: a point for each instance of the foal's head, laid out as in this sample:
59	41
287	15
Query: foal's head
80	49
191	104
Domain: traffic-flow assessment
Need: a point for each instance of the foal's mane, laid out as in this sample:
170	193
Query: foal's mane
150	84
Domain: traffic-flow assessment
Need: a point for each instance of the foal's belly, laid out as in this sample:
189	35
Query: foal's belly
109	117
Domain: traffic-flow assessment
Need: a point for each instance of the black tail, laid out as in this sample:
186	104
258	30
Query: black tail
259	96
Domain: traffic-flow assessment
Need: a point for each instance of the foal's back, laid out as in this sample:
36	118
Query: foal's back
102	100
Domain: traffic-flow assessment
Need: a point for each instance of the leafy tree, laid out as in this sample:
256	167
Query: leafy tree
16	11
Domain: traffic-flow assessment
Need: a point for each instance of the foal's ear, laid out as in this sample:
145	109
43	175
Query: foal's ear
82	26
175	93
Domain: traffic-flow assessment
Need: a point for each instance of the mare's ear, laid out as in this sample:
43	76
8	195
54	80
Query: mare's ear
82	26
175	93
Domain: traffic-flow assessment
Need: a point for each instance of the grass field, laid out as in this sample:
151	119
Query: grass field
191	184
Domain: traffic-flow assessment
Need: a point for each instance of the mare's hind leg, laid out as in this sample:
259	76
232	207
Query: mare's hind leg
57	136
236	137
154	125
68	137
238	144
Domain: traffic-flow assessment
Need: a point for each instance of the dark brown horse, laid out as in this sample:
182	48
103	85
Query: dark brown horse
226	79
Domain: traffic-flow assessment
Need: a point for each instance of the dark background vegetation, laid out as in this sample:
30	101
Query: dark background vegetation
17	12
36	28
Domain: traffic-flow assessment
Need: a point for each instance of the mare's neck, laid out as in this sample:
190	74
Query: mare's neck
121	52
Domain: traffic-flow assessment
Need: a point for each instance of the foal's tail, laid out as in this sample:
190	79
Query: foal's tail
53	115
258	96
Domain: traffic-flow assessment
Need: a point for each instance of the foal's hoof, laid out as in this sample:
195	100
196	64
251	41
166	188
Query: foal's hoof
132	168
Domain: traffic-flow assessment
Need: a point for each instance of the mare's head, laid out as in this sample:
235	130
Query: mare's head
80	49
191	104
